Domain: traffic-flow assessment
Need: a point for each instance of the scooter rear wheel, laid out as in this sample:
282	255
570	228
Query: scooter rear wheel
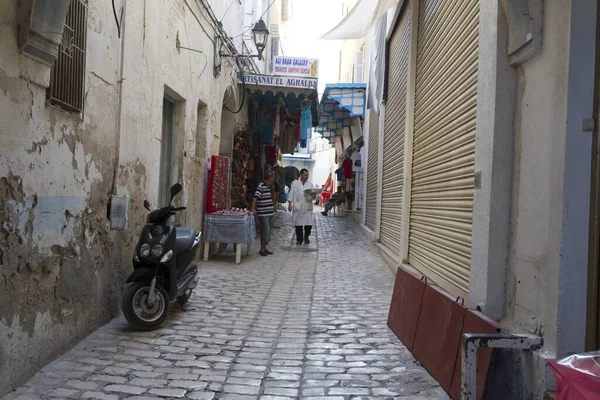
138	312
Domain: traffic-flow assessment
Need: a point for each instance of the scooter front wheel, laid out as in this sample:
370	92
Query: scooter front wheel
137	309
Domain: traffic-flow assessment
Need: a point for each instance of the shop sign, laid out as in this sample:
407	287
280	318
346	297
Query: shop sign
280	81
295	66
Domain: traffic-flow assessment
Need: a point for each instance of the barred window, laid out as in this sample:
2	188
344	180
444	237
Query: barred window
67	79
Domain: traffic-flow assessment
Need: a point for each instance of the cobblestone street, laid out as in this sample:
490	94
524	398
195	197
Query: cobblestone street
305	323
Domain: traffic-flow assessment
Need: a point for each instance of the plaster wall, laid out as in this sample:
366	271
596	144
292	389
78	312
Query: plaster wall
535	257
539	146
154	68
56	174
62	267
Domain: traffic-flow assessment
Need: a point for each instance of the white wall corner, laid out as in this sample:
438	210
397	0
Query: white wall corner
493	165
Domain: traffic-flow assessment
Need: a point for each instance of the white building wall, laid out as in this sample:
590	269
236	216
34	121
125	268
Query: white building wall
57	171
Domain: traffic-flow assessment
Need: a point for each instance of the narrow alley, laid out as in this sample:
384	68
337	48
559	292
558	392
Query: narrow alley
304	323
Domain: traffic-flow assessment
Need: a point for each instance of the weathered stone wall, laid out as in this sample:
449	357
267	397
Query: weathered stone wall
61	266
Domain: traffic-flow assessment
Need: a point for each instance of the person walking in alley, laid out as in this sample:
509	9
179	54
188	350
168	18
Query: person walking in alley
263	207
335	200
301	206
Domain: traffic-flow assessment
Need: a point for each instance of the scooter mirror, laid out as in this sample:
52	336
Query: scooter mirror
147	205
175	189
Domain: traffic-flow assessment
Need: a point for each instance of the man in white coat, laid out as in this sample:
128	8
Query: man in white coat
301	206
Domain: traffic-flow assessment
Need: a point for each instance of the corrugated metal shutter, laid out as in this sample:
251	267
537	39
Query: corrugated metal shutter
372	161
444	142
393	137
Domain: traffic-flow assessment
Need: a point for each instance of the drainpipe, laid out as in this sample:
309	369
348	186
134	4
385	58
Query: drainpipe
120	104
473	341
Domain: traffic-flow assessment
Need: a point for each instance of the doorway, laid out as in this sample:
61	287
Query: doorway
166	153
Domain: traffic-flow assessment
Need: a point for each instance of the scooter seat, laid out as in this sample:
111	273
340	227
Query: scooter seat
184	239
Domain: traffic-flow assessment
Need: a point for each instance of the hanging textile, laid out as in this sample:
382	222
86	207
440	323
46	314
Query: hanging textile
297	130
271	154
282	115
276	128
347	167
216	199
265	126
288	144
305	125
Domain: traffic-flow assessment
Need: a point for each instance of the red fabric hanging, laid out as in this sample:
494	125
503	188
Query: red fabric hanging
271	155
347	166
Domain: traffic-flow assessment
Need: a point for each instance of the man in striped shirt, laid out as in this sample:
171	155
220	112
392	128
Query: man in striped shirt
262	206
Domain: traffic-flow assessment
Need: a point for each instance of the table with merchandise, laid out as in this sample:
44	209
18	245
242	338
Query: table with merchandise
229	226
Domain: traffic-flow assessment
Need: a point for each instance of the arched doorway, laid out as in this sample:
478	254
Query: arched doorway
228	120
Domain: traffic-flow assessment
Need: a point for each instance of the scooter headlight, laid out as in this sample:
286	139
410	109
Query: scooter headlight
167	256
145	250
157	250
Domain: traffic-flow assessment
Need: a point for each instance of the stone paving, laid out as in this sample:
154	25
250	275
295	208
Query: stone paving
298	324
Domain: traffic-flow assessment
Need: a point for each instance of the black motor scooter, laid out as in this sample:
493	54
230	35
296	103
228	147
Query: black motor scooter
164	267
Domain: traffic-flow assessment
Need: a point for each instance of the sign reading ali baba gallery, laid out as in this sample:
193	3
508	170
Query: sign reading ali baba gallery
295	66
280	81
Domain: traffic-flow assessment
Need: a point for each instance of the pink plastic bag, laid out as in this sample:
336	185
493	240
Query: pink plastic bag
578	377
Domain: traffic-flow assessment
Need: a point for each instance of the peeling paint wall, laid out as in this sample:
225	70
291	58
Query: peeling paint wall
61	266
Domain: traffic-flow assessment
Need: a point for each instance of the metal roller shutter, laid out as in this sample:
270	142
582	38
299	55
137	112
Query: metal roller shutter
373	157
442	188
393	137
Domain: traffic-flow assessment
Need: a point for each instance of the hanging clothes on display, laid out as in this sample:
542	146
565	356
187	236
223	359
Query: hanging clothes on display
276	125
288	144
305	125
282	115
347	167
265	126
271	153
297	129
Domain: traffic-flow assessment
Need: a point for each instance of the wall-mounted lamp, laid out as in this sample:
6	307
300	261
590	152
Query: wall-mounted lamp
260	34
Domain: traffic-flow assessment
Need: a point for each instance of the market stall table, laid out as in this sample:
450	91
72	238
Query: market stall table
225	227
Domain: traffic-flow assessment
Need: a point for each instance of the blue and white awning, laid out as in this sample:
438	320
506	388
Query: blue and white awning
340	104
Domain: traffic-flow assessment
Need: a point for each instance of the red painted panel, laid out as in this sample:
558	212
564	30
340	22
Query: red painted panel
438	334
406	306
475	322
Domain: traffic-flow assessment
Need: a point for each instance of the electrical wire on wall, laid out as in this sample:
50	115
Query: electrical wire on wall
226	11
227	41
199	23
243	92
252	26
196	51
118	20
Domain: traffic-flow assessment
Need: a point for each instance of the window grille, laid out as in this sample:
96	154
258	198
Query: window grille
67	79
